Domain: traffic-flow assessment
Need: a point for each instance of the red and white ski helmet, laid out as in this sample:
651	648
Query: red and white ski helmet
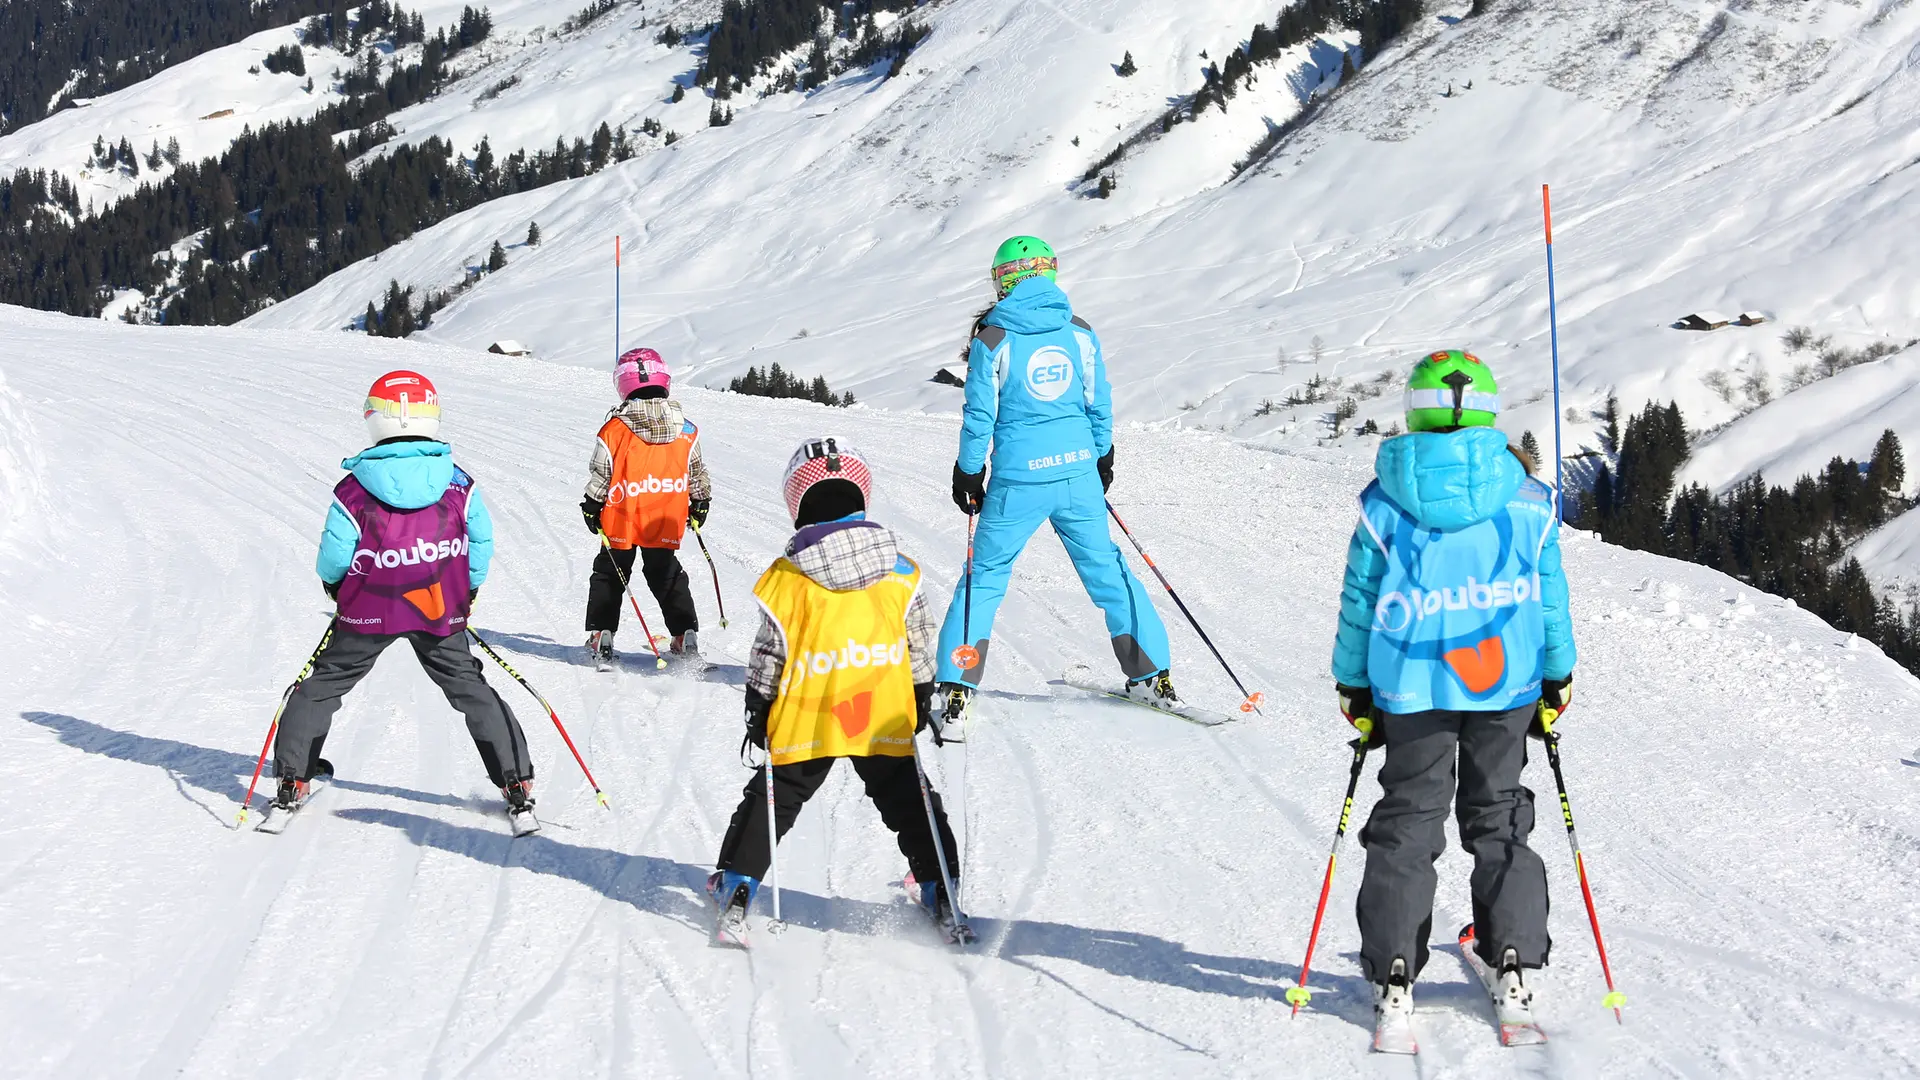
825	460
639	368
402	403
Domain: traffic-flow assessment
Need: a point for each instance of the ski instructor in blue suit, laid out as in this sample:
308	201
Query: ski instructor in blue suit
1039	403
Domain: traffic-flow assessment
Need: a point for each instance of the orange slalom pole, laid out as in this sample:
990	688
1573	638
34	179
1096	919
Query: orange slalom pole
1299	995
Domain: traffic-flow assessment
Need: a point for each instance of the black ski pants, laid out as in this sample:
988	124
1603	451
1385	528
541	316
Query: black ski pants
448	662
1473	761
666	579
892	783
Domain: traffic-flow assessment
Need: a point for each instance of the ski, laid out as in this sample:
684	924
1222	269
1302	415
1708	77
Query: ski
957	932
1082	679
598	653
1512	1008
276	819
1393	1014
522	822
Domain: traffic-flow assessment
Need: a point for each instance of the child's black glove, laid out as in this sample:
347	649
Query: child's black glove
590	510
333	589
697	512
759	709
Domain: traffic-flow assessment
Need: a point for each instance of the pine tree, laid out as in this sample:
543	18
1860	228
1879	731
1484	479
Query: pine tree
496	258
1887	471
1530	446
533	234
1127	68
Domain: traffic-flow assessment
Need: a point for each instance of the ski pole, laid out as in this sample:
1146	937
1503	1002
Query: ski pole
1252	702
965	656
273	729
1299	995
599	795
773	833
1614	999
715	570
1553	325
658	660
933	829
616	299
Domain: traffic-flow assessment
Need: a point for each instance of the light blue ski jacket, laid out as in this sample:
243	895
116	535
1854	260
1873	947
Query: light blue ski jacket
408	476
1037	393
1454	597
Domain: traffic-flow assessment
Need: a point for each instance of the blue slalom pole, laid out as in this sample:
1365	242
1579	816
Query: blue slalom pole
1553	323
616	301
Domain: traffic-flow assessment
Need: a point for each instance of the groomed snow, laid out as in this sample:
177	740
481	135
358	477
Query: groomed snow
1144	887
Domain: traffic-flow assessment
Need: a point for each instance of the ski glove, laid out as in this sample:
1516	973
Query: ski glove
1555	694
697	512
1105	465
590	510
759	709
923	698
333	590
1356	704
969	490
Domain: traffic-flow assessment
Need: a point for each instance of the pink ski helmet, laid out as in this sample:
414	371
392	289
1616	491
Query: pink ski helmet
639	368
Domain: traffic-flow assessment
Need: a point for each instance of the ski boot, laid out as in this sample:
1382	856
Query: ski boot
687	644
732	894
290	794
1513	1003
933	898
1393	1012
1155	691
952	702
519	796
600	649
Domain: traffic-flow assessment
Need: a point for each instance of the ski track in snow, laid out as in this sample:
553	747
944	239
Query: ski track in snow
1143	888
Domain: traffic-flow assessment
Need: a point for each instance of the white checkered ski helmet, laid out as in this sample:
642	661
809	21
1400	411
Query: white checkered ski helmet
828	459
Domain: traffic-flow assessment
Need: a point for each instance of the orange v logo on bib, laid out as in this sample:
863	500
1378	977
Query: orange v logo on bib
1480	667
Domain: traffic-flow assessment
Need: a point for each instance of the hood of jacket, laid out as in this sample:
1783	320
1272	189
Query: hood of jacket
655	420
844	555
1449	480
404	475
1035	306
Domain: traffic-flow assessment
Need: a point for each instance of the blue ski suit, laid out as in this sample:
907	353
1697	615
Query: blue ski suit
1038	400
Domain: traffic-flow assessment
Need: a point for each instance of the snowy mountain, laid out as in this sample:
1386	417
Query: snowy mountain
1143	886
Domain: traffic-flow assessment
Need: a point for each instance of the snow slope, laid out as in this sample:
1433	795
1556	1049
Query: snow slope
1143	886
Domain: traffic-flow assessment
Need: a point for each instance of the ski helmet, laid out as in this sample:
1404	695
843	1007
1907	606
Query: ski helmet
402	403
1021	258
639	368
826	480
1451	389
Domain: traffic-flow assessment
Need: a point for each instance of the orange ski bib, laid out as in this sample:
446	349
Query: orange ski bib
847	690
647	499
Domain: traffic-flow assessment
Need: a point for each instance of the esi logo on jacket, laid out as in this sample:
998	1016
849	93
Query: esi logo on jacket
1459	623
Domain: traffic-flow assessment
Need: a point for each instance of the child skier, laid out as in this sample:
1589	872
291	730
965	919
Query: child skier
1038	399
842	667
406	547
647	483
1454	631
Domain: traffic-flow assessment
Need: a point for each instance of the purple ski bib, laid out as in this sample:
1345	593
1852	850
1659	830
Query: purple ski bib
410	570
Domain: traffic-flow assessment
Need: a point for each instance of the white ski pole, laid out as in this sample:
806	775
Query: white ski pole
773	840
933	828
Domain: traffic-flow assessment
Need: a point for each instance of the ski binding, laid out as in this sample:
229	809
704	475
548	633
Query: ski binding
1512	1000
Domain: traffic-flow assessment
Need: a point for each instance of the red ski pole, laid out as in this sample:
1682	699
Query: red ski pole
1299	995
1614	999
274	728
599	795
658	660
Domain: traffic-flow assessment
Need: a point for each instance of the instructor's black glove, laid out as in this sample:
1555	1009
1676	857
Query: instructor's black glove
969	490
333	589
590	510
1105	465
1356	704
697	512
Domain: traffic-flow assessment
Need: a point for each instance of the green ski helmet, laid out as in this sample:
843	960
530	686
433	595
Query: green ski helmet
1451	389
1021	258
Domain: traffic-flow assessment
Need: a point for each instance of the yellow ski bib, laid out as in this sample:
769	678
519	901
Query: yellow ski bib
847	690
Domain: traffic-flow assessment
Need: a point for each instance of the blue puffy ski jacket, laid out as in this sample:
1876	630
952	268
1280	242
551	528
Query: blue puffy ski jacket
1454	596
1037	393
407	476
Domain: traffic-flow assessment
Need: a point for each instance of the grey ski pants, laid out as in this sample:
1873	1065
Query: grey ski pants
448	662
1407	832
